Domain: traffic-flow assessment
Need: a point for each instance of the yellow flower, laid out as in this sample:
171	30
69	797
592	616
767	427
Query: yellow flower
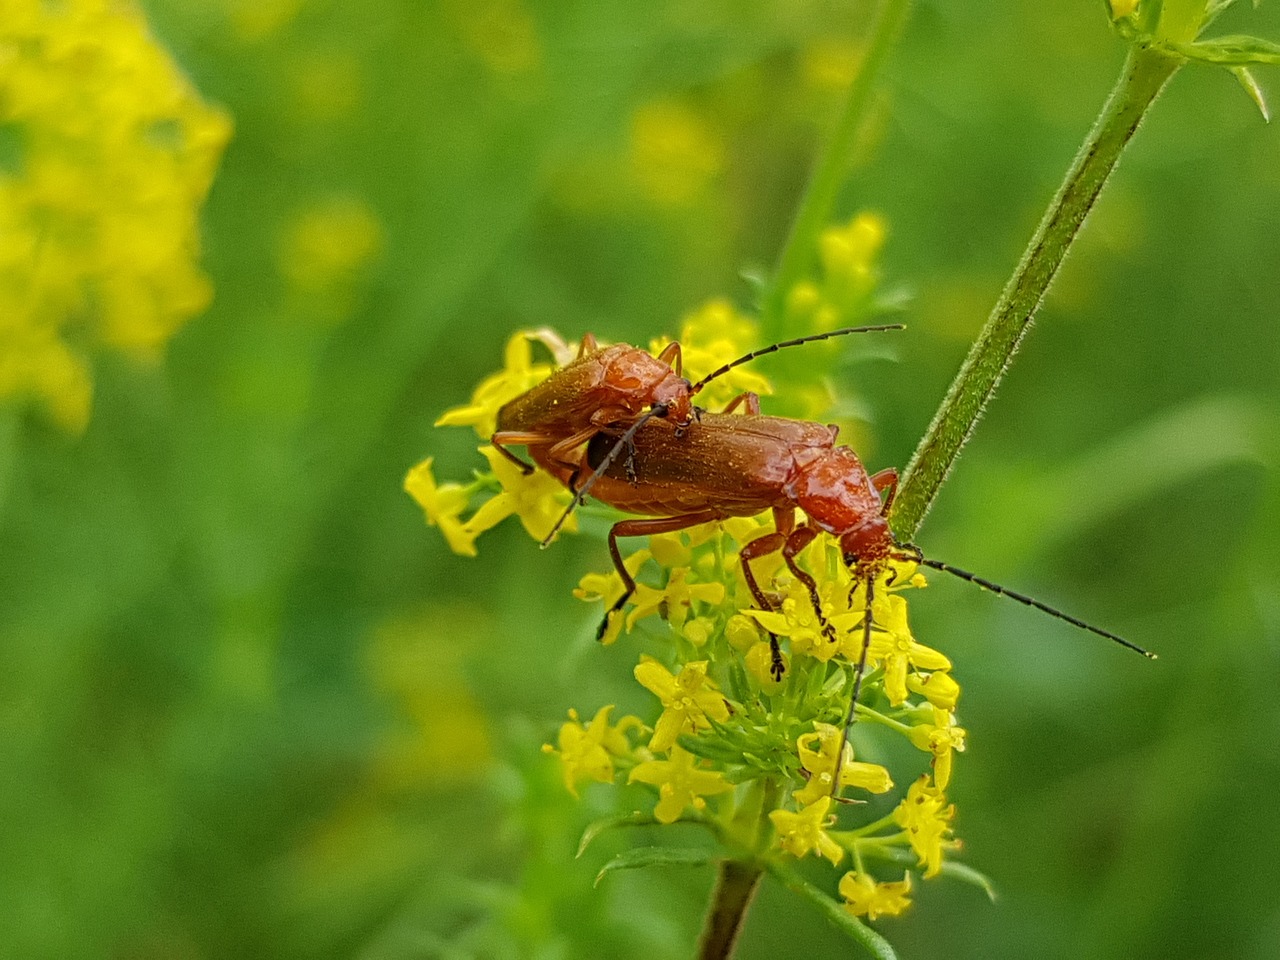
849	254
866	898
893	645
536	498
698	631
587	752
670	550
939	688
939	738
821	763
675	600
99	216
798	622
518	375
801	833
741	632
926	816
608	587
690	701
443	505
1122	8
682	782
711	336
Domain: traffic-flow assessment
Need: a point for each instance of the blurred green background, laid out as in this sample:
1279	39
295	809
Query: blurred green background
253	707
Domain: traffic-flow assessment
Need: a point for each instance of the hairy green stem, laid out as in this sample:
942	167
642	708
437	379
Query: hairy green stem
1145	73
736	885
820	196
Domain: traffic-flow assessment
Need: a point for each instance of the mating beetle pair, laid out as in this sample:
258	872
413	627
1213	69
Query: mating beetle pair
619	424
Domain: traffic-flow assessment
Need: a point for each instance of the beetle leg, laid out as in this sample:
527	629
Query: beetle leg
886	481
671	355
784	521
802	537
749	400
559	451
504	438
641	528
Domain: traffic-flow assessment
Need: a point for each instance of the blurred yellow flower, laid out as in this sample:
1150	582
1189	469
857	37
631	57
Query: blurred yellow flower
714	334
674	153
109	157
926	816
442	737
831	64
1122	8
519	373
586	752
324	249
501	33
866	898
254	20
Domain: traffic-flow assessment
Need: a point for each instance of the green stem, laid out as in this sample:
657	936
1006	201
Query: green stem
820	196
738	879
1145	73
736	885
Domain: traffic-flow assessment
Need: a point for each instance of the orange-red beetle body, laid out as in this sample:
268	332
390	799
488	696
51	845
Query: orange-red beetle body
604	387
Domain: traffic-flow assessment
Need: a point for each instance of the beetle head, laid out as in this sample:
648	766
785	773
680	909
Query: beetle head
869	542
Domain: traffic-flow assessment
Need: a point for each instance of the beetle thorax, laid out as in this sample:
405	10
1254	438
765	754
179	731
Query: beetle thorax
636	380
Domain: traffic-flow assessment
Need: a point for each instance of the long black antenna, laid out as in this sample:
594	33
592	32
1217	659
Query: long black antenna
1023	598
773	348
580	495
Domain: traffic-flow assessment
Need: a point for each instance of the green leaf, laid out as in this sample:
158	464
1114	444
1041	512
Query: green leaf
658	857
1231	51
872	942
1253	90
597	827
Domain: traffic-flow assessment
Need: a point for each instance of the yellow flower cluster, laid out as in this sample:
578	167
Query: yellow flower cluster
767	764
107	154
849	256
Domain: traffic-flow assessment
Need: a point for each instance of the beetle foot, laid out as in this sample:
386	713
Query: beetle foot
776	665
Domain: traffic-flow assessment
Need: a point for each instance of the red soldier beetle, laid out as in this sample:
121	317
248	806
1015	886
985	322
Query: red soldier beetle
609	388
724	465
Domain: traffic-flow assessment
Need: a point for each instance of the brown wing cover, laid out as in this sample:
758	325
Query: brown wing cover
568	396
734	465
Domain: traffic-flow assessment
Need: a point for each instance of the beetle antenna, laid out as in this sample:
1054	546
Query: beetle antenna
774	348
861	669
580	495
1030	602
